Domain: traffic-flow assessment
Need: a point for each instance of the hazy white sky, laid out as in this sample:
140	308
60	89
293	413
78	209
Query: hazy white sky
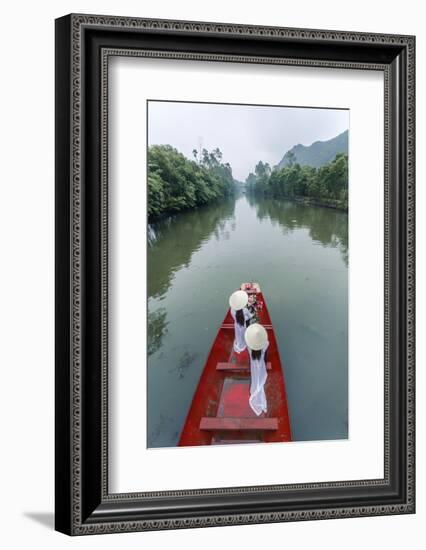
244	133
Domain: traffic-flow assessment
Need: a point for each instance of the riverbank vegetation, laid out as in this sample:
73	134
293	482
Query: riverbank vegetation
176	183
327	185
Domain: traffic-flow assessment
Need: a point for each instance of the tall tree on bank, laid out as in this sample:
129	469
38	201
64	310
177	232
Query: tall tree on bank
176	183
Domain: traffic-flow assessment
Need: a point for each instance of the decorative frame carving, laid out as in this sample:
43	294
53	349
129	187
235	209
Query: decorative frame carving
84	43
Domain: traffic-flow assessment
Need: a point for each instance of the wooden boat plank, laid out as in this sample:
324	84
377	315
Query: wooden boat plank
222	441
237	423
237	367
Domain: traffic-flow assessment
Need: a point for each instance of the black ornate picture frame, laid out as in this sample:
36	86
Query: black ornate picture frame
84	44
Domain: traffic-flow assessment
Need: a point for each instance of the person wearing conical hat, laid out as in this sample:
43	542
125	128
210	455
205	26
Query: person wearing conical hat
256	338
238	302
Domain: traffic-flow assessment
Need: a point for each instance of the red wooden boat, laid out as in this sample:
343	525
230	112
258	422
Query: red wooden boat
220	412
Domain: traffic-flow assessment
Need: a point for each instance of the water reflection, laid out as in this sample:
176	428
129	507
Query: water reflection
157	328
184	364
326	226
171	242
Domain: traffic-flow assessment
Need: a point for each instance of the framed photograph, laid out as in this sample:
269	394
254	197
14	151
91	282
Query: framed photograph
234	274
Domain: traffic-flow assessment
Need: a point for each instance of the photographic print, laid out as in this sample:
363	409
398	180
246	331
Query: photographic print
247	267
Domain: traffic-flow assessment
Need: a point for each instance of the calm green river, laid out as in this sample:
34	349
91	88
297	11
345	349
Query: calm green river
299	255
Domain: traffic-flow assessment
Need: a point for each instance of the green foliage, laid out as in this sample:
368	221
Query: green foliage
176	183
327	184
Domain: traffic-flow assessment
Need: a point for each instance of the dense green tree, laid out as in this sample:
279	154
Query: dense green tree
176	183
327	184
156	194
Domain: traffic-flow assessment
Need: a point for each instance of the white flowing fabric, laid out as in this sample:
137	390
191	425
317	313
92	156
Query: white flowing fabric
239	342
258	378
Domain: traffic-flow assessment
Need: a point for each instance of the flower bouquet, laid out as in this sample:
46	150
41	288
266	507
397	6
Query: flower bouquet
253	308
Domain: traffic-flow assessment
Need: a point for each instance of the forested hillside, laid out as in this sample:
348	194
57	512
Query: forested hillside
317	154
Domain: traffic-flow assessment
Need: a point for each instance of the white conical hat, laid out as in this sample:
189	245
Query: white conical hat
256	336
238	299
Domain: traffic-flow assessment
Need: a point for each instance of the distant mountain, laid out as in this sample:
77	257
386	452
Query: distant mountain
317	154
